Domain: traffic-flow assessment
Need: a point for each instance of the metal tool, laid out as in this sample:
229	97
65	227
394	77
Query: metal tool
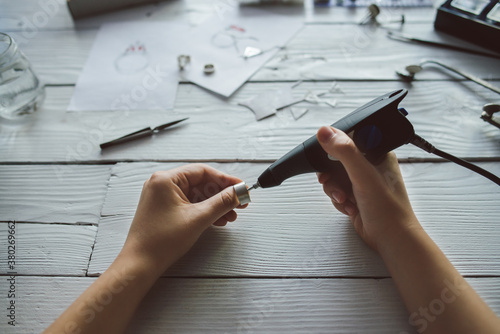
376	128
414	69
488	111
146	132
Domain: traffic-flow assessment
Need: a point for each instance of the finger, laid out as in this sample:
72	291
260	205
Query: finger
220	222
339	207
202	176
340	146
231	216
334	192
323	177
218	205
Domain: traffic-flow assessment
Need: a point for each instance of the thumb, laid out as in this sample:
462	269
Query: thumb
218	205
340	146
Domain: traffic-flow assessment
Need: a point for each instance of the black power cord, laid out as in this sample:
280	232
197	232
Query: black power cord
428	147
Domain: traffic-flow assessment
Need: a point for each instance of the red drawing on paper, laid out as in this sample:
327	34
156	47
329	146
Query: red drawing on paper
133	60
233	36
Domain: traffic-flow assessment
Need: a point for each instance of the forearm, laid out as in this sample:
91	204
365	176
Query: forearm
110	302
438	299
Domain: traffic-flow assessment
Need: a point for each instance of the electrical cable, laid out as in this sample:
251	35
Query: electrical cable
428	147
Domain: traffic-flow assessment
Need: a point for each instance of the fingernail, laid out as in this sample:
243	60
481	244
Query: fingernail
349	208
325	134
337	196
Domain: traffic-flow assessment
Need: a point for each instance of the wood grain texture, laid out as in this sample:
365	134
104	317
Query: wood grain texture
317	52
293	230
239	305
48	249
52	193
445	113
21	15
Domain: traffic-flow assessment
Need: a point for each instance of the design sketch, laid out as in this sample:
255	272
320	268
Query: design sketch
133	60
232	36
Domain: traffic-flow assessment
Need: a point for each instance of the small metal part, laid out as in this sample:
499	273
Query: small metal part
209	69
242	193
413	69
371	16
183	61
255	186
487	115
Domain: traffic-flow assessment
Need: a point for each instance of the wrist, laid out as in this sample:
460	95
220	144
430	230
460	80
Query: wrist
138	261
399	235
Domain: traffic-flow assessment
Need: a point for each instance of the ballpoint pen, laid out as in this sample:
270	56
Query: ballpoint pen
146	132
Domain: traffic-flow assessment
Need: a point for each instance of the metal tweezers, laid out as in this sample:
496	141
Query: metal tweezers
146	132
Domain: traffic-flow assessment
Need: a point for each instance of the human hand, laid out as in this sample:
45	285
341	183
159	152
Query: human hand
175	207
377	205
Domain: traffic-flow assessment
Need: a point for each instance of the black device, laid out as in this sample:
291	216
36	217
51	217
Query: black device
475	21
376	128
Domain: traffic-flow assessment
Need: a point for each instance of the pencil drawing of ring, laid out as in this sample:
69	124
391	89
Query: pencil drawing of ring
183	61
209	69
242	193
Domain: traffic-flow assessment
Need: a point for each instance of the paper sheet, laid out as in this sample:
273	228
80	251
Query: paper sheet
222	41
131	66
265	104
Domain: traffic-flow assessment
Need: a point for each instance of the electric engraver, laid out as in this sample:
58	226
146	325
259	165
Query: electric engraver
376	128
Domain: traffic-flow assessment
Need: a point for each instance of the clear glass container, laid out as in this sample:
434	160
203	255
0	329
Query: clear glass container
21	92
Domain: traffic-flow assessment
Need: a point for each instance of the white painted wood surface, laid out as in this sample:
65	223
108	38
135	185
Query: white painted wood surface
68	194
48	249
234	274
293	230
346	52
239	305
57	136
26	16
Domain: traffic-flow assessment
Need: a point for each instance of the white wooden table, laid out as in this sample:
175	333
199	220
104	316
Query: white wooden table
291	262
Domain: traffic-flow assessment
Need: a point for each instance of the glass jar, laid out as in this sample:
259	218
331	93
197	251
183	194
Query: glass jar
20	90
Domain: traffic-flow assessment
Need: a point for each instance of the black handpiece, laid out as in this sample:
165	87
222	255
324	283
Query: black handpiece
376	128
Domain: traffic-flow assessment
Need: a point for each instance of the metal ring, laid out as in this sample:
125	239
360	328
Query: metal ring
183	61
242	193
209	69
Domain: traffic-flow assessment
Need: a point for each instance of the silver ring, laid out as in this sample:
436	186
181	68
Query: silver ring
242	193
183	61
209	69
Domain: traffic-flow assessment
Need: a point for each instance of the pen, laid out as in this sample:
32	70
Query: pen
146	132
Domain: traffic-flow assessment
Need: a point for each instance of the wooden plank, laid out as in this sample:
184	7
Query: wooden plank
47	249
238	305
27	16
293	230
317	52
445	113
52	193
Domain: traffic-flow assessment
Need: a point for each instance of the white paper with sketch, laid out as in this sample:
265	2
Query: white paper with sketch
222	41
131	66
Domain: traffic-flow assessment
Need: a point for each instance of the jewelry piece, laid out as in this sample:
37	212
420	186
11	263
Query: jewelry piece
183	61
209	69
242	193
